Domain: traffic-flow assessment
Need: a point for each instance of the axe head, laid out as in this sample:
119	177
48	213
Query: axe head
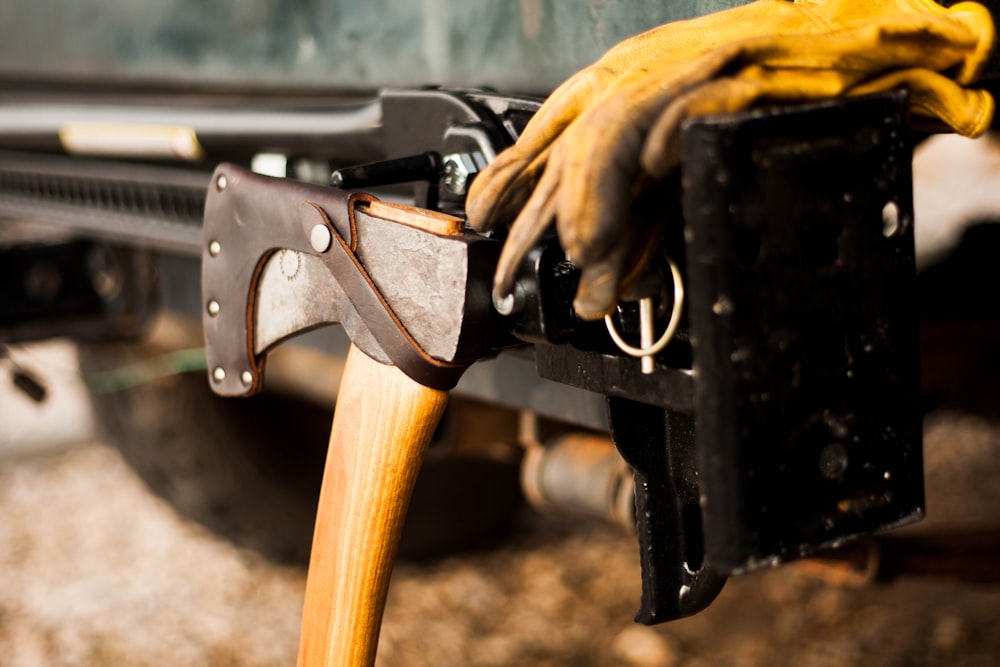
411	287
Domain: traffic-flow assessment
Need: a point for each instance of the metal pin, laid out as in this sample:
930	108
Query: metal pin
219	374
646	326
214	248
246	378
221	182
214	308
646	334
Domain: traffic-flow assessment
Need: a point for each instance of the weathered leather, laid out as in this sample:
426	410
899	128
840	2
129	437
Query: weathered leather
253	217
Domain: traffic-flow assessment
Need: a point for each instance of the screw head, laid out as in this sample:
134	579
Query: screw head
456	174
219	374
320	238
214	307
214	248
246	378
221	182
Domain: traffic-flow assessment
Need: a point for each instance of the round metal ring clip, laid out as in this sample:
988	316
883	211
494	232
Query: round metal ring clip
648	347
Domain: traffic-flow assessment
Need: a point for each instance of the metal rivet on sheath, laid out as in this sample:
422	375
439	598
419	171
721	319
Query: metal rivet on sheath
214	308
219	374
246	378
320	238
221	182
214	248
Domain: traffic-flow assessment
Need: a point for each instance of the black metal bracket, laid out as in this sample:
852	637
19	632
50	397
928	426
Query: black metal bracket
795	426
660	445
801	279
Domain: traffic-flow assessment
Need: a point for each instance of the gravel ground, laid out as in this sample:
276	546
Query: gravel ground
94	570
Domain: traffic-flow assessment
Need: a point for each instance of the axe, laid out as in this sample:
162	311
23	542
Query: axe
412	289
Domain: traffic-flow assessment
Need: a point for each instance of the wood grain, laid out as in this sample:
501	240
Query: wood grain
381	429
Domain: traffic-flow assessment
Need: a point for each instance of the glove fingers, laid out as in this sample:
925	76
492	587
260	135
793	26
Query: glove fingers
602	282
967	112
501	190
526	231
584	180
587	177
560	109
595	193
598	156
598	159
599	288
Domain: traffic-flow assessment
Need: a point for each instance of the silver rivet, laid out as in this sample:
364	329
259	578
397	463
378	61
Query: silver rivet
246	378
459	170
219	374
221	182
320	238
214	248
214	308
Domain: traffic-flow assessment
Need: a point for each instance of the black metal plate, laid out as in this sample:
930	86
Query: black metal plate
803	328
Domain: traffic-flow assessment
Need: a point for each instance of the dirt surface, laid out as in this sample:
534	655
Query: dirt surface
96	571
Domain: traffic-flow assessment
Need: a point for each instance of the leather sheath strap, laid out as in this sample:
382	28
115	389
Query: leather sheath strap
378	315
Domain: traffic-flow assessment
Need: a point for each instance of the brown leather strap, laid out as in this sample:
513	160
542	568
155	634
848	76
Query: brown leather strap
378	315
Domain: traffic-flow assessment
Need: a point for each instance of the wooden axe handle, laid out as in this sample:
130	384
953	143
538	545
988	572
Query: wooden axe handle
381	429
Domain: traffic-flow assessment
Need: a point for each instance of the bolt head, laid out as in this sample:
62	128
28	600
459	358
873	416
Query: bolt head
221	182
246	378
214	308
214	248
459	168
320	238
219	374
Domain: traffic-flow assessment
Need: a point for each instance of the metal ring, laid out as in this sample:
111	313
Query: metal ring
668	334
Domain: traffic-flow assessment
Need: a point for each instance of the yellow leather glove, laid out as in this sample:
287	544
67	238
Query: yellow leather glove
611	130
